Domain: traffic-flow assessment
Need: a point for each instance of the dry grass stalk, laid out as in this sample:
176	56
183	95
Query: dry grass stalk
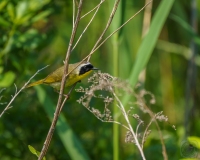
103	88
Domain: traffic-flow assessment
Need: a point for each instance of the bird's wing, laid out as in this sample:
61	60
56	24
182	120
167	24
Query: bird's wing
55	76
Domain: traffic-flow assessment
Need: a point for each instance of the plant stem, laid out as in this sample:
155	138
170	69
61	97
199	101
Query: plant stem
130	127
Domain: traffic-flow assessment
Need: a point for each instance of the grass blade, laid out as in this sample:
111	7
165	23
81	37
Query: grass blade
149	42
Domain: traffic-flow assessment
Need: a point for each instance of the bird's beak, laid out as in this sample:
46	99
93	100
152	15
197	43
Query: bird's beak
95	68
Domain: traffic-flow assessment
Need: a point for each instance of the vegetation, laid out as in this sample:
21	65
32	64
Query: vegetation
142	104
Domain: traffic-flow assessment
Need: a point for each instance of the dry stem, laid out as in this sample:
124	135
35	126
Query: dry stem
98	6
107	25
119	27
164	151
17	92
130	127
93	9
60	103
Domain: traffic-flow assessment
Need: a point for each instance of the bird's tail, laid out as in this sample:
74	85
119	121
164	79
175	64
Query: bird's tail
35	83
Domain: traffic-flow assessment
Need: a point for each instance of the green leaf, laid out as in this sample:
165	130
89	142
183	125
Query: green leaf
25	19
21	9
187	27
182	23
34	151
29	39
4	22
149	42
41	15
66	134
195	141
11	11
7	80
35	5
3	4
22	14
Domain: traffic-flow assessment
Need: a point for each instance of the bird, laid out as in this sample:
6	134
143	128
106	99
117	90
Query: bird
54	79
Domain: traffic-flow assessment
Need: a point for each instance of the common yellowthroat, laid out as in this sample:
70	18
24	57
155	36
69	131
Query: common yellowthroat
54	79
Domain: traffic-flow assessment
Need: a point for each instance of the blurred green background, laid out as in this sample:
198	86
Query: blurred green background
36	33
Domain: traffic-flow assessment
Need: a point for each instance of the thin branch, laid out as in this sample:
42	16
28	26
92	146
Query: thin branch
107	121
120	108
60	103
93	9
145	132
88	24
120	27
67	96
130	127
2	90
74	11
107	25
164	151
16	93
137	128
